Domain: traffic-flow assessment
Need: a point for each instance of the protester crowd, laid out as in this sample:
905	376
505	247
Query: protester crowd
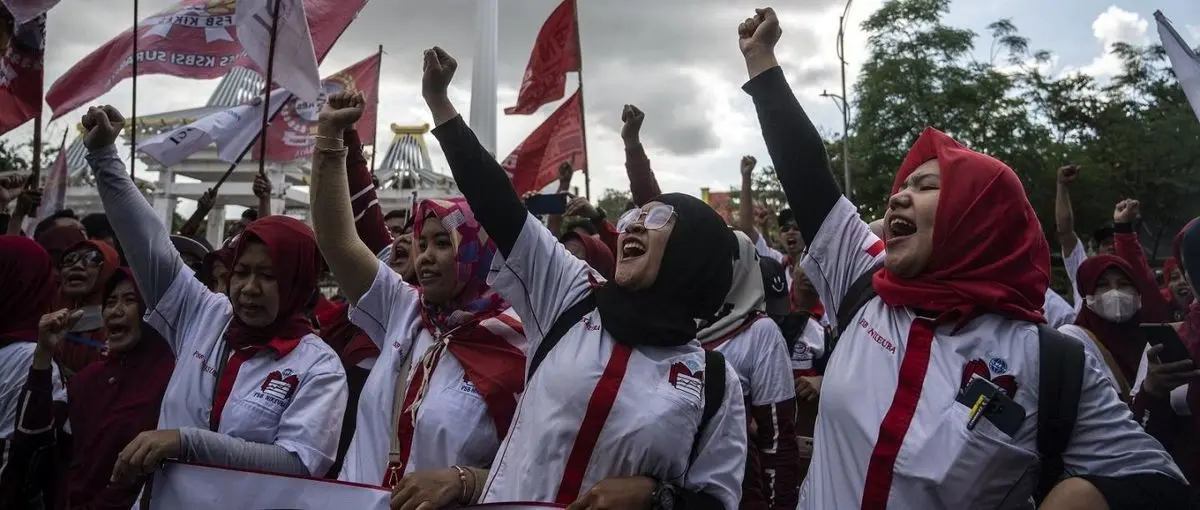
652	358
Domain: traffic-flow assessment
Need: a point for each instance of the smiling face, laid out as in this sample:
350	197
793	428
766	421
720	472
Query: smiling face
436	267
641	249
909	221
79	270
401	259
253	287
1179	287
122	317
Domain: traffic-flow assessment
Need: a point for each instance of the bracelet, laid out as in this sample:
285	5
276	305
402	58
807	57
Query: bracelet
330	138
341	151
463	496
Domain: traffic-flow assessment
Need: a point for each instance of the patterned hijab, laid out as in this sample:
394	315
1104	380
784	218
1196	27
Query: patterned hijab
474	251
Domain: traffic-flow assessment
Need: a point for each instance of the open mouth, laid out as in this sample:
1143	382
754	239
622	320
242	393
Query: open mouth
428	275
632	248
900	228
76	278
116	330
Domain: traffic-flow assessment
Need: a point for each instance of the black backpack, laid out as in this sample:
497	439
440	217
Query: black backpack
1060	383
714	380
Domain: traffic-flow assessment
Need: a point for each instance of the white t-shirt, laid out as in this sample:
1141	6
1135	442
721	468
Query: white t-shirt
905	442
655	413
1058	312
809	347
765	250
759	356
1071	262
295	402
15	360
453	426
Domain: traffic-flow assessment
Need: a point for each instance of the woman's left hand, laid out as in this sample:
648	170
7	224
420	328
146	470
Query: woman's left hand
143	455
427	490
622	493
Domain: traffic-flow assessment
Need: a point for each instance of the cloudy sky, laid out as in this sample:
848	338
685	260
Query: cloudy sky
677	59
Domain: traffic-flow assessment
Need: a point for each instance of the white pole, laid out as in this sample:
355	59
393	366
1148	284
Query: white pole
483	77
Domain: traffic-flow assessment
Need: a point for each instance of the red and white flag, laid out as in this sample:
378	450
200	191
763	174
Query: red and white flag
555	53
291	135
54	195
24	11
534	163
295	66
21	75
1184	61
193	39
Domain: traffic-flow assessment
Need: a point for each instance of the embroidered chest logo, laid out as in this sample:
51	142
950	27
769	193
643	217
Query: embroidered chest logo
469	387
994	370
589	325
279	387
687	377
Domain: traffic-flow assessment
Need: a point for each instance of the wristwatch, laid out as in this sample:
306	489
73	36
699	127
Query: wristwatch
663	497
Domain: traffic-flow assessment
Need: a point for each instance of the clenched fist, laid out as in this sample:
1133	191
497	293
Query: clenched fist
748	163
1127	211
760	33
342	110
439	68
632	119
103	125
1068	174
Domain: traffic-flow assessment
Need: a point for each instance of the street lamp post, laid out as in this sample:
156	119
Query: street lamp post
841	53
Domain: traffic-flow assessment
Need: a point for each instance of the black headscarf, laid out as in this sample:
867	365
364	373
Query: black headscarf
695	276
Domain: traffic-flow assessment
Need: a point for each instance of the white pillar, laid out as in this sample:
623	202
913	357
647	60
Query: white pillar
215	230
164	198
279	186
483	76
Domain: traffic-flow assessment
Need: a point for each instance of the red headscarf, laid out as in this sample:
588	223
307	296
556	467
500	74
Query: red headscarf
27	280
297	263
1123	340
596	253
1169	265
112	262
989	254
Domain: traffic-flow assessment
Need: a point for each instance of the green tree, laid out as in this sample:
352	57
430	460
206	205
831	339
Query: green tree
613	202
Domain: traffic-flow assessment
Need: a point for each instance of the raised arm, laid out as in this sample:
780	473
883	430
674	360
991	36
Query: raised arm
28	203
203	206
478	175
1125	242
1064	217
148	248
642	184
352	262
793	142
746	199
262	190
368	216
555	221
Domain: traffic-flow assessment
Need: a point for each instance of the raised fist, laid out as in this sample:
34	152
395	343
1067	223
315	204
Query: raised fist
1068	174
262	186
103	125
28	203
759	33
565	171
53	326
632	117
342	110
579	206
439	71
208	199
1127	211
748	163
10	187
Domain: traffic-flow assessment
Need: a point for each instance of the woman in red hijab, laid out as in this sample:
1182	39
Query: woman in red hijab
82	273
1108	323
113	400
30	385
253	388
958	301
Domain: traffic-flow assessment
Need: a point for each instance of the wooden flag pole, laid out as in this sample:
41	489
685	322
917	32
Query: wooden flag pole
133	118
35	176
266	116
587	174
375	131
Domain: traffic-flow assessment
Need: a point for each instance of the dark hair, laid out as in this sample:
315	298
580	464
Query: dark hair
395	214
45	224
1103	234
250	214
580	223
786	216
97	226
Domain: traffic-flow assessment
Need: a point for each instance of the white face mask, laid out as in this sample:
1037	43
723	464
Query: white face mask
1115	305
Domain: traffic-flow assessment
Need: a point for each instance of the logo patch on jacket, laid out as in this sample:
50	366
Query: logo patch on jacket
984	369
280	386
687	378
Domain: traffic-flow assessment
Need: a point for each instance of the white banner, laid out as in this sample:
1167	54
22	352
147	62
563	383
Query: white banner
295	66
233	130
1184	61
185	486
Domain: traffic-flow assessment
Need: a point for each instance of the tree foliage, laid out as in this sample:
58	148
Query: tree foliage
613	202
1134	134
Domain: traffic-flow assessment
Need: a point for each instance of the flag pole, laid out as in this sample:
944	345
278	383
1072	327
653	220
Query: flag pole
133	108
258	138
266	117
375	139
587	174
35	176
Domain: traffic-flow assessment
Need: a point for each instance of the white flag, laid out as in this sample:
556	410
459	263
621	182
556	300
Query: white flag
24	11
1184	61
295	66
192	487
233	130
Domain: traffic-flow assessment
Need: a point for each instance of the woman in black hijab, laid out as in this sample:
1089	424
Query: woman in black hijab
616	375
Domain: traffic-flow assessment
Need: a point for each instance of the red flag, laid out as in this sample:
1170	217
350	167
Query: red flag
21	75
193	39
290	135
534	163
555	53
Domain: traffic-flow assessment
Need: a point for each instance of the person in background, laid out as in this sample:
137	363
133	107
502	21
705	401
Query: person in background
28	203
1176	290
1073	251
56	241
193	251
204	205
32	395
215	266
83	272
947	298
112	401
97	228
1108	324
395	220
591	250
248	216
262	190
62	218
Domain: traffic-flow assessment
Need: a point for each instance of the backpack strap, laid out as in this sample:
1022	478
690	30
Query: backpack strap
1060	383
562	324
714	394
1122	383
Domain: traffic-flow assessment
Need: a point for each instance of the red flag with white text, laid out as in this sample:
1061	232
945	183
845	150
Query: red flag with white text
21	75
555	53
290	135
534	163
192	39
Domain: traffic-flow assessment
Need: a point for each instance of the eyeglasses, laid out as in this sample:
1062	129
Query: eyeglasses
657	217
88	258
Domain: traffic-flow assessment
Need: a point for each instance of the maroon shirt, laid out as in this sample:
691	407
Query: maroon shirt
33	439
